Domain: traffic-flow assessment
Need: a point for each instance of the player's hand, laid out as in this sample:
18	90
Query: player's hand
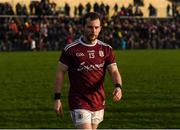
117	94
58	107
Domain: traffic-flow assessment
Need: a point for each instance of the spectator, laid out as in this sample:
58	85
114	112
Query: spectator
88	7
123	43
102	9
67	9
169	10
18	9
116	8
130	10
75	11
138	11
24	10
152	10
13	31
31	7
8	9
80	9
107	9
96	7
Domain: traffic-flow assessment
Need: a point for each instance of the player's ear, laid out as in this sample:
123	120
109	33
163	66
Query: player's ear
100	27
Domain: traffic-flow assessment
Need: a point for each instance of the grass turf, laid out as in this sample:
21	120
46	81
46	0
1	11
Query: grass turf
151	92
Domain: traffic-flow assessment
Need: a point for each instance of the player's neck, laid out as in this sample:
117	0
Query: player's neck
85	40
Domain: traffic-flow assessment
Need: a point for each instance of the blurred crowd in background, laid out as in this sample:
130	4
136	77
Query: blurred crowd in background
44	7
45	28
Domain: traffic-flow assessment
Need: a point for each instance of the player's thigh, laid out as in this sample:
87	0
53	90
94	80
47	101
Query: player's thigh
81	118
97	117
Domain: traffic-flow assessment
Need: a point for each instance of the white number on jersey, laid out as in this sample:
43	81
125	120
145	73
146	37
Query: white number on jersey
91	55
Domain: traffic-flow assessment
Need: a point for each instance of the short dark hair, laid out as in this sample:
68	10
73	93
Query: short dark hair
92	16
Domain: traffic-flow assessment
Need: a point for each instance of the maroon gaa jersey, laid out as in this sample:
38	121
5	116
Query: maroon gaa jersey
86	70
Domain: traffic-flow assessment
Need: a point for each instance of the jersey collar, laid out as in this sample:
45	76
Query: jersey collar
85	44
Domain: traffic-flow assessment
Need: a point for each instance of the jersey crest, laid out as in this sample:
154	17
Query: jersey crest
101	53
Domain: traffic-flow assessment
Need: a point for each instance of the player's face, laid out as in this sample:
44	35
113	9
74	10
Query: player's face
92	29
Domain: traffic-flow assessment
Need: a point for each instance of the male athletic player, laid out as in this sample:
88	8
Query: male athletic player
86	61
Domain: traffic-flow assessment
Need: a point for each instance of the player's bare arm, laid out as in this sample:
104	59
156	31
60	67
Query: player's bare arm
61	69
116	78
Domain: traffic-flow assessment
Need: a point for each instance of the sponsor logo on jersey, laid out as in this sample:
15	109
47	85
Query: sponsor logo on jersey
101	53
90	51
90	67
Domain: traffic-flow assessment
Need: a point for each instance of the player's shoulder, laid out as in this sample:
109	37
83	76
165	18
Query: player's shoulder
104	44
76	42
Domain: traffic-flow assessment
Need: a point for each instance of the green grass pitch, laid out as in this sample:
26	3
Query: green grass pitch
151	91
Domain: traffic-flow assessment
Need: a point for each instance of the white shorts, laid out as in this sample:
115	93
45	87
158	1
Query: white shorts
83	116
